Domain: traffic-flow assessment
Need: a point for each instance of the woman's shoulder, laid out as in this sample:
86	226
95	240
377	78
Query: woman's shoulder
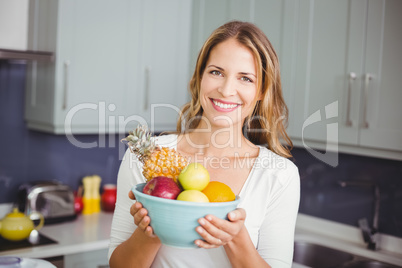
276	171
268	160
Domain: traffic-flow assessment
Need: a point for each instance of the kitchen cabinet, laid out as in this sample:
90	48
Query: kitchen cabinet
164	61
117	64
347	74
13	24
340	67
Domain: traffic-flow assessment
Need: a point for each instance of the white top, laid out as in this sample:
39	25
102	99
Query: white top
270	197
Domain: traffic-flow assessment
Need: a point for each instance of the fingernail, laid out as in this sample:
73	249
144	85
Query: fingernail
208	217
200	230
232	215
202	221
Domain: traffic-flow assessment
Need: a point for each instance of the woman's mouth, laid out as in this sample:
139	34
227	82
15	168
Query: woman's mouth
222	106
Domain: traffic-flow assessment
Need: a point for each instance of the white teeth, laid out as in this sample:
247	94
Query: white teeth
225	105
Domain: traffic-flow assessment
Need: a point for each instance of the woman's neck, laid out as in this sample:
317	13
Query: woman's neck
218	141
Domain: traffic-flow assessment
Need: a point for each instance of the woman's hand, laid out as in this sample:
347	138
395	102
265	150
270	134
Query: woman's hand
141	218
217	232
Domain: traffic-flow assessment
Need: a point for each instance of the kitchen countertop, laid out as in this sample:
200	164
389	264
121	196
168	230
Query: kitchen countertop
84	234
91	232
346	238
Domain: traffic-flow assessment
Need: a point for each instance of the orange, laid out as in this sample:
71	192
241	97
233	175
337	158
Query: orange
218	192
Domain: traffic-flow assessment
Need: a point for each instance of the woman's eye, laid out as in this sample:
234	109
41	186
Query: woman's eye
214	72
246	79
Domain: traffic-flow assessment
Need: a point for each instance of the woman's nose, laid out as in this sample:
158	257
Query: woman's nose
228	88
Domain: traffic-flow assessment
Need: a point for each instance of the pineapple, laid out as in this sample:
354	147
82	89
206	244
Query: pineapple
158	161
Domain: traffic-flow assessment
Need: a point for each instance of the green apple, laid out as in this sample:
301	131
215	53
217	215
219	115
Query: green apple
193	196
194	177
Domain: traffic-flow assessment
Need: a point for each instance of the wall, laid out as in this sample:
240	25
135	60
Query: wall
27	155
322	196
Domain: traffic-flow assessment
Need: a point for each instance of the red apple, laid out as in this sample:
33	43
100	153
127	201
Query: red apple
162	187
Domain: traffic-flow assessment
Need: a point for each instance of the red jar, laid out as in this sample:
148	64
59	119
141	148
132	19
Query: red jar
108	198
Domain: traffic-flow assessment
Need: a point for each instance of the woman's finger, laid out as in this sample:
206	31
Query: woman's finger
131	195
214	234
215	226
203	244
218	232
237	215
144	223
211	241
135	208
139	216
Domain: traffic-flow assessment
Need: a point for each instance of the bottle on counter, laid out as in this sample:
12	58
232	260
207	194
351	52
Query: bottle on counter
91	197
108	198
96	199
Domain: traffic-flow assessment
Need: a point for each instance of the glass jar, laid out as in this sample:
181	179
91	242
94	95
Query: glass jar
108	198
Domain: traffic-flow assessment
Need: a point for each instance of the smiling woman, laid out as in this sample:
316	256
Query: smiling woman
235	85
257	69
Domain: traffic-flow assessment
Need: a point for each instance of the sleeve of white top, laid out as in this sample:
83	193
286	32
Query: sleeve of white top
123	223
276	235
130	174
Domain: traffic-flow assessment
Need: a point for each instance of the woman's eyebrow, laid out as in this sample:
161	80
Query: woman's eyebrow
249	74
214	66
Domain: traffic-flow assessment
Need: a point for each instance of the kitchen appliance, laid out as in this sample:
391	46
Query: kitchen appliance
15	226
54	200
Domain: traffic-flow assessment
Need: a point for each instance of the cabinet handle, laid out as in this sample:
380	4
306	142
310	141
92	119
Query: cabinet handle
367	79
352	77
65	86
147	74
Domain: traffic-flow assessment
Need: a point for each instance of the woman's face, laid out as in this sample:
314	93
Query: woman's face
229	84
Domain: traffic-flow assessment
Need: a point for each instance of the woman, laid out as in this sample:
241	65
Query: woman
236	105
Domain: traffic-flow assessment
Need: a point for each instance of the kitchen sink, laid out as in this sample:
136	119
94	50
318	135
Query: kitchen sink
317	256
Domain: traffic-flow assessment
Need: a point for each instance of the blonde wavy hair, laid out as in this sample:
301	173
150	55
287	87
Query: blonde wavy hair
267	123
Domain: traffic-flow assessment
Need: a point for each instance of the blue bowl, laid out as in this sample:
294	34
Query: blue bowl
174	221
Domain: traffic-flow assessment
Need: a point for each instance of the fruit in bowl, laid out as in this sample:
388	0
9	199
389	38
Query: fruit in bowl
163	187
194	177
174	221
193	196
157	161
169	176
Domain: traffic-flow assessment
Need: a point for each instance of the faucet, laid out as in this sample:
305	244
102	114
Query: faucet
370	235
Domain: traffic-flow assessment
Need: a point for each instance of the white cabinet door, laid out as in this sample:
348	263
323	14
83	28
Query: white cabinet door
118	63
329	57
87	83
13	24
348	80
382	109
163	61
278	20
